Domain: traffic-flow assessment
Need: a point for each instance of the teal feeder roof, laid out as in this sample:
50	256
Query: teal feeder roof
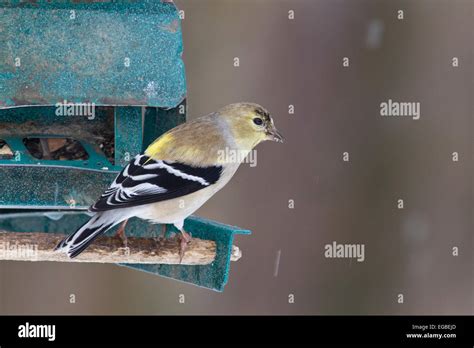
106	53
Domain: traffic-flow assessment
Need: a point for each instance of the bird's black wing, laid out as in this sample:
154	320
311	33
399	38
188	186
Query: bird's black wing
145	180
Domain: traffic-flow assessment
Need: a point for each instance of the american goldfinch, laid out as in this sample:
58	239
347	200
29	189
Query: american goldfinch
177	173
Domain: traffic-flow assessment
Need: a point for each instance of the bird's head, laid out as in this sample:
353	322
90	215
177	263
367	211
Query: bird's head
250	124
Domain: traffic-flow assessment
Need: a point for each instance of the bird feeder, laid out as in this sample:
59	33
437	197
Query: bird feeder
84	87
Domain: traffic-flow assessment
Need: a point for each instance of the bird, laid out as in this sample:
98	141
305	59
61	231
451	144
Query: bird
177	174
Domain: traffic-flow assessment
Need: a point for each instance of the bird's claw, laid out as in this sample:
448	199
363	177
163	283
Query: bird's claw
121	234
185	239
160	241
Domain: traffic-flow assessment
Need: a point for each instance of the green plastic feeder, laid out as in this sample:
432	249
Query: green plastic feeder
107	78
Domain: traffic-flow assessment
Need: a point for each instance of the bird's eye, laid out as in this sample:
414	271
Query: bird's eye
258	121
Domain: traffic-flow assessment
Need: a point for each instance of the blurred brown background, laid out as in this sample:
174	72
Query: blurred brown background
299	62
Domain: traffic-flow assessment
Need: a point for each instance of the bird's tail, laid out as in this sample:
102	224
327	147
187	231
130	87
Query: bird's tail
75	243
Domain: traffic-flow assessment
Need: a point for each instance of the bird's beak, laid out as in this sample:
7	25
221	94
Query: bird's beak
275	135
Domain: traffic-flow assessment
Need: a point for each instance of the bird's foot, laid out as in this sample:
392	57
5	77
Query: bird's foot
121	234
185	239
164	229
160	240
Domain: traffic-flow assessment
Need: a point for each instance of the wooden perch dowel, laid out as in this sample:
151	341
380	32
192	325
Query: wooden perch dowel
20	246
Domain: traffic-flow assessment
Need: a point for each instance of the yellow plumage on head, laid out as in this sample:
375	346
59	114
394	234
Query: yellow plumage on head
201	141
